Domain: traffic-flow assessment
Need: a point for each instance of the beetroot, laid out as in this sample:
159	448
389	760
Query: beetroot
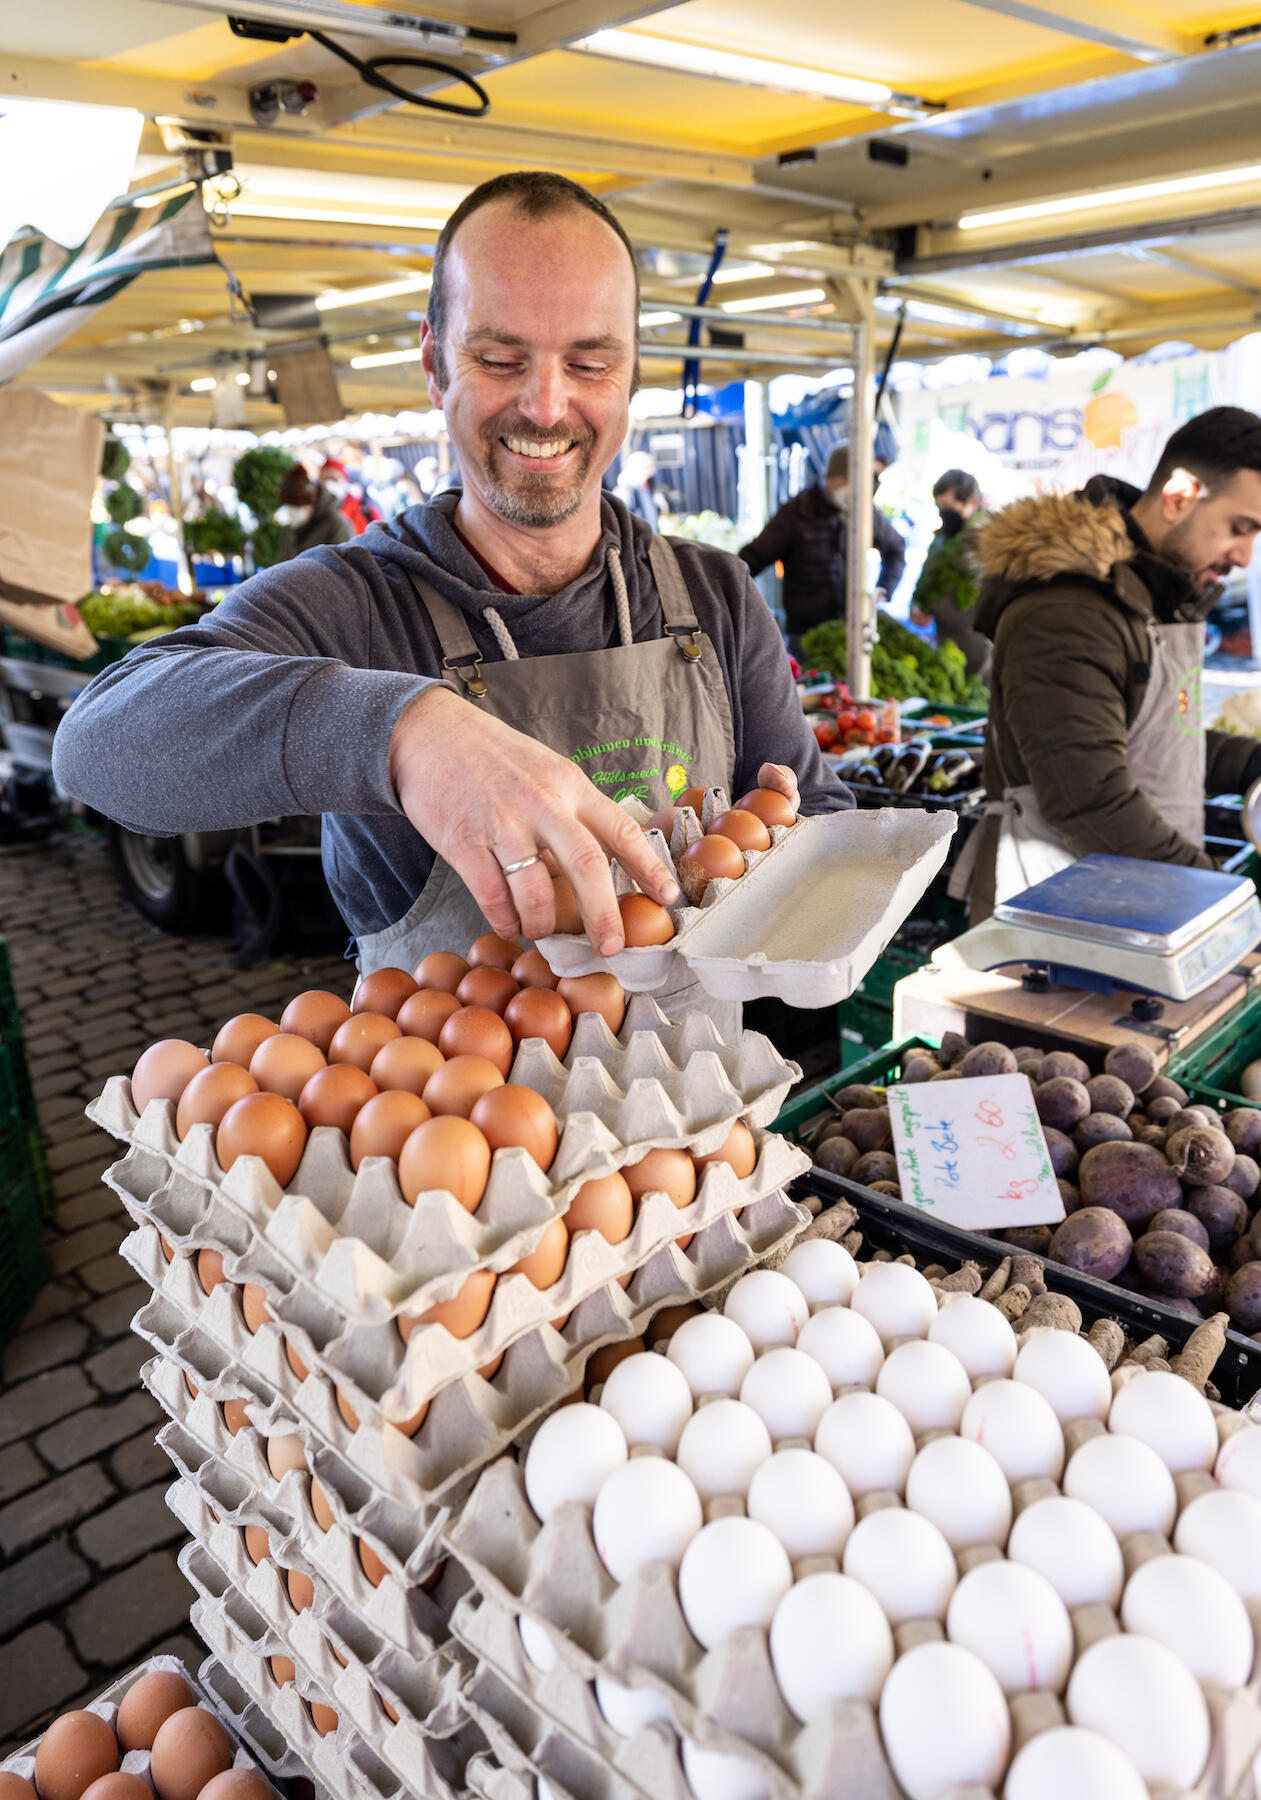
1163	1108
1163	1088
1031	1067
837	1155
1175	1219
1057	1064
1132	1180
920	1068
1156	1135
1172	1264
988	1059
953	1049
1245	1178
1063	1152
868	1127
1134	1064
856	1095
1243	1298
1028	1237
1100	1128
949	1075
1221	1212
1243	1127
877	1165
1109	1094
1070	1195
1203	1158
1094	1241
1062	1102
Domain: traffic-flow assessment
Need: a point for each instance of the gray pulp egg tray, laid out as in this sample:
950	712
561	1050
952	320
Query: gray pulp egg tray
470	1419
727	1698
804	923
255	1729
355	1243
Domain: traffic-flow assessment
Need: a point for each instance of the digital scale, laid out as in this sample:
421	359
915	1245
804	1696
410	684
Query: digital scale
1106	922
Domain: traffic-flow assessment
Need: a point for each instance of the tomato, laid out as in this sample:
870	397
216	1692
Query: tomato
825	734
846	719
886	736
866	719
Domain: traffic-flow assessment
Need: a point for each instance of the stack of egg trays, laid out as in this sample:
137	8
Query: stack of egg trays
251	1724
106	1704
726	1698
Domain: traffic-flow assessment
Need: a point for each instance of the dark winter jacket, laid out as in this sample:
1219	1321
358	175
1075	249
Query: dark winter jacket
1068	589
327	525
810	537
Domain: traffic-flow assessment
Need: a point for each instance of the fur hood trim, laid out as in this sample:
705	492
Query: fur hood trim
1050	536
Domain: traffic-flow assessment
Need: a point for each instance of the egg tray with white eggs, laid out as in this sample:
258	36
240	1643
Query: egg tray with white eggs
152	1731
700	1575
795	911
255	1729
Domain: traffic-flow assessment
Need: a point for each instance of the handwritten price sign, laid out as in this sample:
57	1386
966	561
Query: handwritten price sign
972	1152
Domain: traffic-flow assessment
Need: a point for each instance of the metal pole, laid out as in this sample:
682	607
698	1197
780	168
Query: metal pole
860	612
176	493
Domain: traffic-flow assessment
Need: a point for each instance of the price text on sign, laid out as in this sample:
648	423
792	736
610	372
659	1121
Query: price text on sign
972	1152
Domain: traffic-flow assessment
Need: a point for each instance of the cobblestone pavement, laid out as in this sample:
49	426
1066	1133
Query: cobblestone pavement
88	1578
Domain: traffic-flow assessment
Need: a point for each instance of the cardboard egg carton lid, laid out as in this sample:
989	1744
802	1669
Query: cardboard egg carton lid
804	923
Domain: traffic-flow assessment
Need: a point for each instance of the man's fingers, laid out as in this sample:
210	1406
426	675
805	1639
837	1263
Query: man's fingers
535	900
640	861
586	864
482	875
782	779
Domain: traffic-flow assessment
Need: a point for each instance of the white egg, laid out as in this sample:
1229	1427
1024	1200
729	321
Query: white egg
768	1307
1138	1693
846	1346
944	1721
537	1643
1018	1428
734	1573
788	1391
1072	1546
829	1641
1187	1605
627	1709
959	1487
1013	1619
647	1511
904	1561
1068	1372
650	1399
868	1442
714	1775
825	1272
896	1299
801	1498
928	1385
723	1443
1167	1413
1067	1763
1238	1462
570	1455
713	1353
1125	1482
977	1333
1224	1529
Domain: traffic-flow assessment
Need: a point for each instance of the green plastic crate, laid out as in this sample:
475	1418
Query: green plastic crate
878	1069
35	1151
1215	1062
23	1270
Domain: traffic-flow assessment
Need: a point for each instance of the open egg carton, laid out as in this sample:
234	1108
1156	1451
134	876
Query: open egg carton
727	1699
248	1722
804	923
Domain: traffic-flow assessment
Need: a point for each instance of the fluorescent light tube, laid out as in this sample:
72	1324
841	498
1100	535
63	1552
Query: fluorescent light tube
767	302
1077	203
380	290
724	65
379	358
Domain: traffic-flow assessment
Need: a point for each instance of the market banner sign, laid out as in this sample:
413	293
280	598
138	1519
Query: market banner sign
47	290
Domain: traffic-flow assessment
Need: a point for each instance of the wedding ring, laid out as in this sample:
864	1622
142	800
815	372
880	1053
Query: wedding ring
527	862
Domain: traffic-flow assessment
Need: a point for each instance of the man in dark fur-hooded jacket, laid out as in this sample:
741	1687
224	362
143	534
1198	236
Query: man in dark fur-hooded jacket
1095	604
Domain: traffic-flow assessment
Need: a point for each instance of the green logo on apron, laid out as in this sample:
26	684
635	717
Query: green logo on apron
1190	714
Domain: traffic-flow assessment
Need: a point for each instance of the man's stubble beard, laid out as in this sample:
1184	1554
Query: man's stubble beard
535	501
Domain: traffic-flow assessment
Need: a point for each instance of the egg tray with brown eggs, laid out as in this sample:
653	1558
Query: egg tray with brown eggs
251	1724
728	1696
152	1731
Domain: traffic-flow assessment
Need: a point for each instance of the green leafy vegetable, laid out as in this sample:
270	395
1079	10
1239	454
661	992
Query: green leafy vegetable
214	532
257	476
123	503
902	664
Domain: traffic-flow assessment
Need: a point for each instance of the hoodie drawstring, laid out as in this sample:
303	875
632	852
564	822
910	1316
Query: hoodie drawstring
613	561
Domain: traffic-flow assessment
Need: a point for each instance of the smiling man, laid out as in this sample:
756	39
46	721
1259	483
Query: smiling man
469	690
1095	603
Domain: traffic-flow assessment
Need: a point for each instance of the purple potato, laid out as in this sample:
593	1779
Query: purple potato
1101	1128
1063	1152
1134	1064
857	1094
1188	1118
1030	1067
1028	1237
1070	1195
949	1075
837	1155
1109	1094
877	1165
1163	1108
1242	1126
920	1068
1094	1241
1175	1219
1132	1180
1245	1178
1201	1157
1243	1298
1172	1264
988	1059
868	1127
1059	1064
1062	1101
1239	1254
953	1049
1162	1088
1222	1213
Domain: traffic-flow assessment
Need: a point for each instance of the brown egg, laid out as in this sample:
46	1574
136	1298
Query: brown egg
532	970
323	1717
693	797
492	952
168	1248
442	970
663	1172
373	1567
301	1589
477	1031
606	1358
409	1427
15	1787
517	1115
708	859
209	1095
165	1070
462	1314
771	807
237	1041
644	921
316	1016
538	1013
405	1064
254	1306
491	988
663	1325
663	821
604	1205
191	1748
347	1411
191	1385
334	1095
389	1711
257	1544
546	1262
359	1039
595	993
345	1663
458	1085
320	1507
285	1451
487	1371
263	1125
295	1361
738	1149
384	1126
384	992
445	1154
745	830
240	1784
147	1704
210	1269
568	917
235	1416
285	1063
115	1787
282	1670
425	1014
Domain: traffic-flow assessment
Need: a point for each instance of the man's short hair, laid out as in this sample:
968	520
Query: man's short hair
838	464
959	483
535	194
1212	447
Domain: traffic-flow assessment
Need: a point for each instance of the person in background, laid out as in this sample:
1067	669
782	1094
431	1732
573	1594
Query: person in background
336	478
310	514
634	485
809	536
947	589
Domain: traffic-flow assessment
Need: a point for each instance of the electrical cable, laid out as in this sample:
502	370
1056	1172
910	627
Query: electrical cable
369	72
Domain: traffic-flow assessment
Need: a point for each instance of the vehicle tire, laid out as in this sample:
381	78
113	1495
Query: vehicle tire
162	884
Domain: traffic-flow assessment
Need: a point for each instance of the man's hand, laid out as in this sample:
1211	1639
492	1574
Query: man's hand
781	780
484	795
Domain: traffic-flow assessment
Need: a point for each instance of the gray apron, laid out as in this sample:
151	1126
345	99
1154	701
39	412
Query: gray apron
646	719
1166	753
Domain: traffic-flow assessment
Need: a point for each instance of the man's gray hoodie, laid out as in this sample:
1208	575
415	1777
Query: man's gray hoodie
283	700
